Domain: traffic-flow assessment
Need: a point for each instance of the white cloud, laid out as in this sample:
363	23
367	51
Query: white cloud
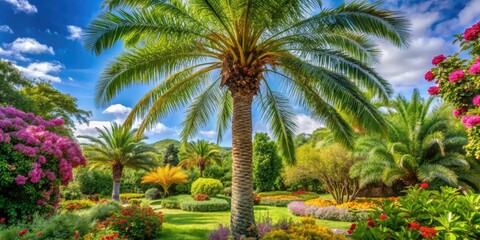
42	71
29	45
5	28
306	124
89	129
75	32
22	6
119	111
71	79
466	17
209	134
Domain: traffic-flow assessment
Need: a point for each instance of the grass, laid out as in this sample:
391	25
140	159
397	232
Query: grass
182	225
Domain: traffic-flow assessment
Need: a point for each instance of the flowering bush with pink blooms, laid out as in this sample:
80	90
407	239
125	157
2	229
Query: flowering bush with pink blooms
34	162
458	82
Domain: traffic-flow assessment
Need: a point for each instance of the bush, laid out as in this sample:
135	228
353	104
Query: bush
94	197
94	181
333	213
135	222
303	232
135	201
267	164
185	188
103	210
34	162
71	192
275	202
213	171
73	205
444	214
221	233
64	226
125	197
153	194
201	197
187	203
208	186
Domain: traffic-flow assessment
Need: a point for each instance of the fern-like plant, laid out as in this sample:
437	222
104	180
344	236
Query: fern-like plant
166	176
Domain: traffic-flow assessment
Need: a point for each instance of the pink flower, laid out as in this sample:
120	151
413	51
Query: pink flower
429	76
476	100
478	60
22	232
383	216
456	113
20	180
456	75
41	201
434	90
470	121
2	220
76	235
438	59
475	68
470	34
42	159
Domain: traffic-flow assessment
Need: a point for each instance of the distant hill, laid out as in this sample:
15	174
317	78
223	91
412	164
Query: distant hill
163	144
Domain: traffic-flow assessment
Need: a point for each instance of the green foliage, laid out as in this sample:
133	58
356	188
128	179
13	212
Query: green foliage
153	194
208	186
64	226
200	154
214	171
171	155
125	197
184	188
75	205
275	202
136	201
444	214
103	210
11	80
267	164
135	222
71	192
307	230
187	203
93	181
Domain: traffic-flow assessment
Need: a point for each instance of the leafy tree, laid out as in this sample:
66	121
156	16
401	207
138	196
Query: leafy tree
267	164
199	154
166	176
422	145
118	148
328	163
322	58
11	80
171	156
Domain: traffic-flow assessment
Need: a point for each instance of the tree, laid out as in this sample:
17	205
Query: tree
171	156
267	164
118	148
422	145
11	80
328	163
166	176
322	58
199	154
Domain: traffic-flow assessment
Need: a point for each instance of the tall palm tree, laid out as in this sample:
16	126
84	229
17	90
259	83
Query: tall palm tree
117	148
422	145
199	154
222	56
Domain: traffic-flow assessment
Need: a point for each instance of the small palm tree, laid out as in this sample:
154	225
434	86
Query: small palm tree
117	148
199	154
422	145
166	176
224	56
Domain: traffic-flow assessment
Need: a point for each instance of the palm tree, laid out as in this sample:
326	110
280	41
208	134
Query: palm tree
199	154
117	148
165	176
222	56
422	145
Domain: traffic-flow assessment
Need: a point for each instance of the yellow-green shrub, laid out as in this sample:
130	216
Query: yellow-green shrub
125	197
72	205
208	186
306	231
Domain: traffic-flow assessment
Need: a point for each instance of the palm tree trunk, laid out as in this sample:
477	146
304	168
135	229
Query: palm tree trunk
242	219
117	177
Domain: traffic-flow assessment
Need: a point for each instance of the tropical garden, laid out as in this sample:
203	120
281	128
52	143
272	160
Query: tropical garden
383	166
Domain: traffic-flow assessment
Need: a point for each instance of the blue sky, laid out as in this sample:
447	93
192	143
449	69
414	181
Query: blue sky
43	39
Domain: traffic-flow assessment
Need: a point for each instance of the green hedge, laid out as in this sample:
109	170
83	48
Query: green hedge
276	202
186	203
208	186
125	197
305	196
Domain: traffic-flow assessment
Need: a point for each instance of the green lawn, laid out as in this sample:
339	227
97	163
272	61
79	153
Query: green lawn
182	225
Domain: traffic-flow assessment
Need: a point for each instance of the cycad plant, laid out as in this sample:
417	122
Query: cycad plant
422	145
117	148
199	154
219	57
166	176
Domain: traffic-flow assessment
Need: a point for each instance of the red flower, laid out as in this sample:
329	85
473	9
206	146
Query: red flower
39	234
76	235
433	90
429	76
349	231
383	216
2	220
470	34
22	232
370	224
415	225
424	185
353	226
438	59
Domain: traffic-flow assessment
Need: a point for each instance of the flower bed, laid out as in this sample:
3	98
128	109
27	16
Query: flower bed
331	212
125	197
187	203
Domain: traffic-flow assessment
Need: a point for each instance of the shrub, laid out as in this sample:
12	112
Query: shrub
276	202
256	199
94	197
125	197
228	191
320	202
135	201
135	222
213	171
73	205
64	226
299	208
71	192
303	232
165	177
94	181
152	194
212	205
221	233
421	213
103	210
208	186
34	162
170	203
267	164
201	197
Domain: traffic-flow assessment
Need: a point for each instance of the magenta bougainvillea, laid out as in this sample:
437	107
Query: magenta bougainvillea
458	82
34	162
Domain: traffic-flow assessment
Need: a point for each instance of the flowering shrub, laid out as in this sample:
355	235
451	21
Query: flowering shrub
222	233
135	222
320	202
278	197
299	192
201	197
305	231
299	208
423	214
256	199
72	205
458	82
125	197
34	162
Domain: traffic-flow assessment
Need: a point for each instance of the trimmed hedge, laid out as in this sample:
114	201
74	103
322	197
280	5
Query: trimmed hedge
276	202
208	186
153	194
125	197
72	205
186	203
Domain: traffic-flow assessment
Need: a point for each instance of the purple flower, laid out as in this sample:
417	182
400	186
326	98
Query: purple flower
476	100
42	159
222	233
41	201
456	75
20	180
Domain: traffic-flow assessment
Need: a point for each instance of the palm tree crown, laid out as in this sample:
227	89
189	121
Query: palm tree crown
422	145
222	56
199	154
117	147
